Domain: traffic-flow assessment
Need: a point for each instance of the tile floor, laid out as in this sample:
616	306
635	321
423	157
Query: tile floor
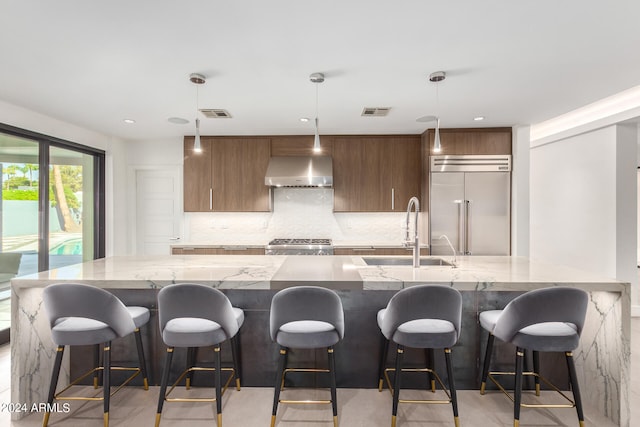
357	408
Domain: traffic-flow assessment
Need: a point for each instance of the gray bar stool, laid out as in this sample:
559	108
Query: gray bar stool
81	314
306	317
425	317
550	320
192	316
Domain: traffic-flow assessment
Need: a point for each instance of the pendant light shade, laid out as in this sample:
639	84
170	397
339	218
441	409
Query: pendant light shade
197	79
197	147
316	140
437	148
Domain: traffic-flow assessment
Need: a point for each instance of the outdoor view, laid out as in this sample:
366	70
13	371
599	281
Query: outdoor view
20	206
70	221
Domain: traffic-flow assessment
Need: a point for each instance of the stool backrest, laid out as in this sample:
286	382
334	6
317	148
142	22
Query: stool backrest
199	301
306	303
80	300
556	304
423	302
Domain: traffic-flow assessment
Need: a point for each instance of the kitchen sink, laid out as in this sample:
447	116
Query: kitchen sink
404	261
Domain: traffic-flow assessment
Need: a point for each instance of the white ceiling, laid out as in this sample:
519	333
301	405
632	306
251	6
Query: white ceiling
515	62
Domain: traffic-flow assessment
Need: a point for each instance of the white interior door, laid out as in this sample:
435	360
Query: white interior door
157	210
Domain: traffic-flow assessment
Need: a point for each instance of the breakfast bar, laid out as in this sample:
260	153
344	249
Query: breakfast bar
364	284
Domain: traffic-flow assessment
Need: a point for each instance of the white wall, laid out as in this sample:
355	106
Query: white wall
520	191
115	160
583	202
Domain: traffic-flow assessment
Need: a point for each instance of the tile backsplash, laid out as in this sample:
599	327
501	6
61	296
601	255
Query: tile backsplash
297	212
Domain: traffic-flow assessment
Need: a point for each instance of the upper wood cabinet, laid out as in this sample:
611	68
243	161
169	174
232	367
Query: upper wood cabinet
299	145
473	141
375	173
228	176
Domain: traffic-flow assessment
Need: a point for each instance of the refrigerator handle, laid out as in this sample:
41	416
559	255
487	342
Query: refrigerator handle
467	248
461	237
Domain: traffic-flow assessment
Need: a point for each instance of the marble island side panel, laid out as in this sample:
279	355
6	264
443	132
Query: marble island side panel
602	358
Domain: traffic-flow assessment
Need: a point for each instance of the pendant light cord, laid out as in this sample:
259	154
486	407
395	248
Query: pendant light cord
437	100
316	105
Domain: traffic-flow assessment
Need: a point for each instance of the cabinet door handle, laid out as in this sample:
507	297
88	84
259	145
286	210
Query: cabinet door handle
393	199
211	199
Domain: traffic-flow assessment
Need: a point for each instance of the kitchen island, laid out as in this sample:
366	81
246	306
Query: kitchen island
485	282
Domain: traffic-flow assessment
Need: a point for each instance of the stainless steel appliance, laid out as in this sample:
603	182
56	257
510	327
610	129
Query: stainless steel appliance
299	171
299	247
469	202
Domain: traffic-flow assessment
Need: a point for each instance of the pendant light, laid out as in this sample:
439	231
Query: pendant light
197	79
437	77
316	78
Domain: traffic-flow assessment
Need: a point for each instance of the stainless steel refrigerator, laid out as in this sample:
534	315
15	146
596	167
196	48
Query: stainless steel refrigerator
470	203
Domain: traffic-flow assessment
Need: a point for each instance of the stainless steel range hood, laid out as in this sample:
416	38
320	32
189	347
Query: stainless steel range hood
307	171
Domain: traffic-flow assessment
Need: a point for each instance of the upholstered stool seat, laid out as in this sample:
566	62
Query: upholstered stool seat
80	314
308	334
193	316
424	317
306	317
140	315
548	320
489	318
81	331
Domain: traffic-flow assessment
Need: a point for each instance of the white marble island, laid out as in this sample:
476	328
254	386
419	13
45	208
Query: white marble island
602	359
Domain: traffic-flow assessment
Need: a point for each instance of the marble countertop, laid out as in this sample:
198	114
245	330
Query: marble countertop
258	271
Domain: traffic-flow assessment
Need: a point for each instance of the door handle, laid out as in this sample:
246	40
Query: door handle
211	199
467	249
174	239
393	199
461	218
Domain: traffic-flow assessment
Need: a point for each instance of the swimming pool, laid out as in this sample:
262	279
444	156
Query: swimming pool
68	247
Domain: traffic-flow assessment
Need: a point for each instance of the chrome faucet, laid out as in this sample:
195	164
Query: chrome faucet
444	236
415	203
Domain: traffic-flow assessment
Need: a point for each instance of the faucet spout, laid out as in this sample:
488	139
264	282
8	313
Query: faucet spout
444	236
414	203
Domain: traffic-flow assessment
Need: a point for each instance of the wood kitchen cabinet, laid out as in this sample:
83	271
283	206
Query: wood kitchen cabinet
473	141
228	176
299	145
375	173
231	250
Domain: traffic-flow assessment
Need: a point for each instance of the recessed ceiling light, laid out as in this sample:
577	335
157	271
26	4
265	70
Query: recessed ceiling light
177	120
304	119
478	118
129	121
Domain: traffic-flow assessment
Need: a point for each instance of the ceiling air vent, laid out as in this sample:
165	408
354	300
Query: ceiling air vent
375	111
215	113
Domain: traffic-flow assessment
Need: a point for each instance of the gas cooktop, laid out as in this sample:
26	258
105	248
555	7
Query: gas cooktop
299	247
300	242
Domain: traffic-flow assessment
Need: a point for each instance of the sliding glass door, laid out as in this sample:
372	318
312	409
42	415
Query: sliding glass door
71	201
19	207
51	207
